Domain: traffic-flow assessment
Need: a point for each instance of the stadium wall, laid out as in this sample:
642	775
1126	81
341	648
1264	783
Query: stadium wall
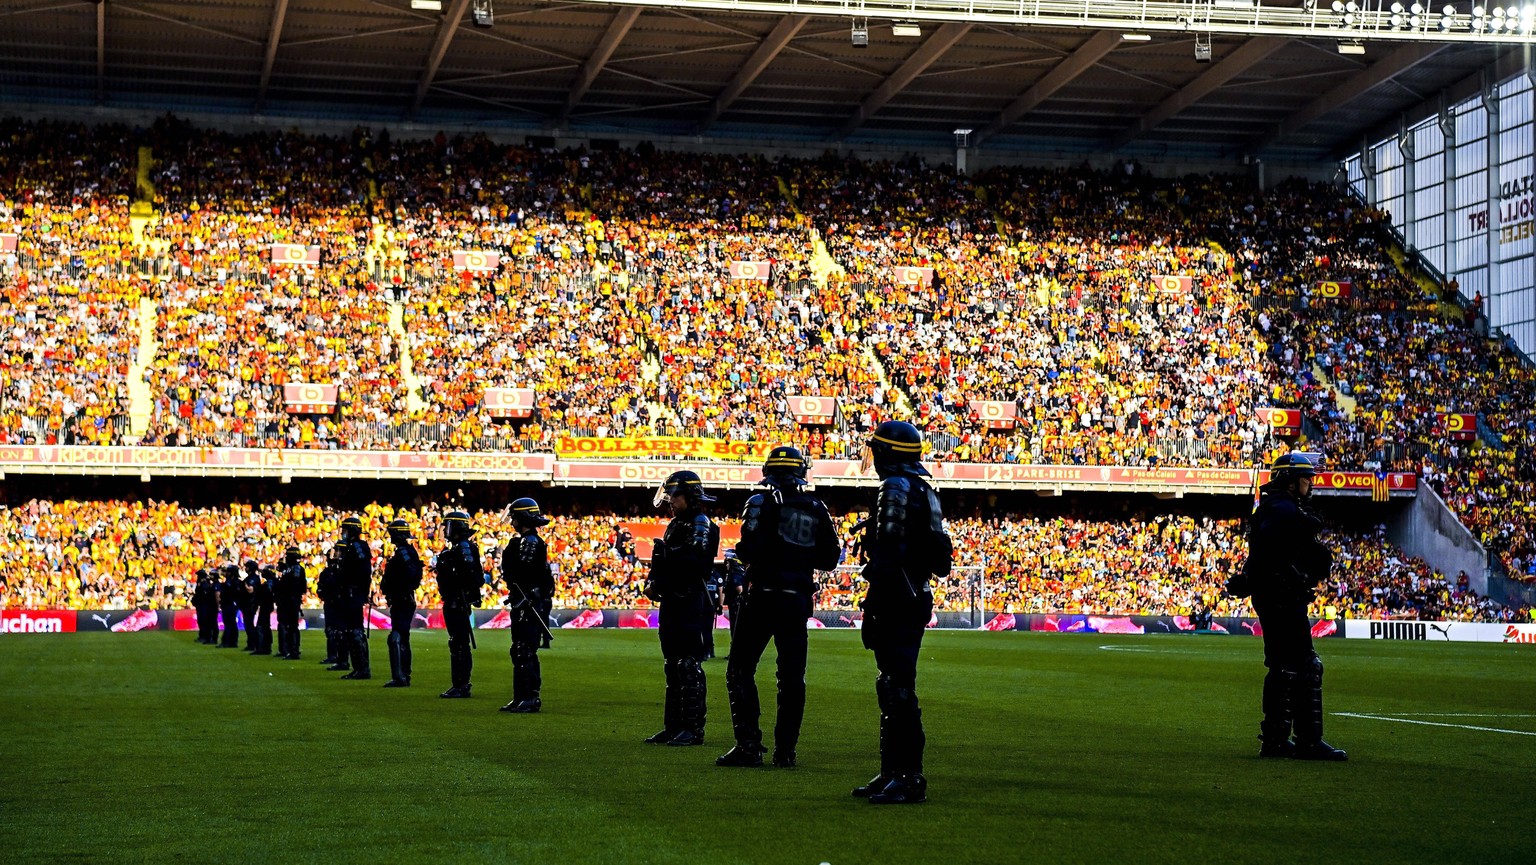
1428	530
977	159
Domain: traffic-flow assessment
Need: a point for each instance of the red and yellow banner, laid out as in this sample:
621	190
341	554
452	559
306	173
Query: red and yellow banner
307	398
1175	284
1337	288
751	270
571	447
7	243
913	276
509	401
476	260
1459	426
995	414
813	410
1284	421
295	253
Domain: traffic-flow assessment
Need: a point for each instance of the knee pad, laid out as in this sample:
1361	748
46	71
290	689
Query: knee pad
394	639
1315	669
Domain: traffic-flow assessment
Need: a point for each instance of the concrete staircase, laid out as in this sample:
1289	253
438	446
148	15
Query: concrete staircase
1347	403
141	401
413	400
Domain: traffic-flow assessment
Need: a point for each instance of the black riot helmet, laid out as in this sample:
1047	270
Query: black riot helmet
231	572
1291	467
526	514
895	443
250	565
785	466
456	525
351	528
269	573
291	555
685	482
399	531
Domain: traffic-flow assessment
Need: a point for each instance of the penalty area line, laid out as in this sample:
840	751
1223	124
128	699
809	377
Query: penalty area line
1432	723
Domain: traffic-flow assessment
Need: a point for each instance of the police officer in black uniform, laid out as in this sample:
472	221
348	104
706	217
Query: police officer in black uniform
714	587
328	587
402	576
264	599
230	592
354	566
1285	564
292	583
733	590
680	564
460	579
530	585
904	544
248	606
205	601
786	536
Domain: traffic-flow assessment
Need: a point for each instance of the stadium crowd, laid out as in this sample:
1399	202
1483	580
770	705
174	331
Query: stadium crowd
117	554
613	299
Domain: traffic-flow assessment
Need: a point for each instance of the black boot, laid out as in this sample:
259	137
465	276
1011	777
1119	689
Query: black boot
396	674
745	754
359	651
1275	729
784	759
670	723
687	737
661	738
741	692
527	706
903	790
1307	708
691	704
398	683
881	781
457	692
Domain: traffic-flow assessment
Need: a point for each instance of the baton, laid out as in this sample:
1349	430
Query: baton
538	617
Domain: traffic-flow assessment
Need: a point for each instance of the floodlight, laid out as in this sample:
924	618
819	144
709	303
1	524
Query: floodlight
427	5
1135	37
906	29
1351	48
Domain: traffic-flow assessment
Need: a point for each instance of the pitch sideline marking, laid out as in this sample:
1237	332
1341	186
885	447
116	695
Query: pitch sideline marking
1432	723
1463	715
1126	649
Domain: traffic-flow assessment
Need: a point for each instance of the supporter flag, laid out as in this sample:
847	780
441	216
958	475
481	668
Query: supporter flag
7	243
995	414
813	410
1175	284
1284	421
914	276
477	260
509	401
1339	288
1459	427
751	270
1380	490
295	253
307	398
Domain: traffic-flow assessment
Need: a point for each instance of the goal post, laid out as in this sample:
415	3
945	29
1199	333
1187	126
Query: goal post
965	590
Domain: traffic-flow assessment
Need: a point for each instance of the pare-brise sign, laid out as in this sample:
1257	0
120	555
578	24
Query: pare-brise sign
1439	632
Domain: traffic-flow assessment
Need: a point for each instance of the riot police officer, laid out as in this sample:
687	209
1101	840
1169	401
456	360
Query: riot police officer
328	587
904	545
205	601
248	606
680	563
733	585
291	586
230	592
354	567
264	598
786	536
460	579
402	576
530	585
714	587
1285	564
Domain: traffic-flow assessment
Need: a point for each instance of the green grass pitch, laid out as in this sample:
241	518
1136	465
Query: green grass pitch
1041	748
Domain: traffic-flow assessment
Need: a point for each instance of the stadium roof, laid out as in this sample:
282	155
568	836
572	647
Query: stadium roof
600	69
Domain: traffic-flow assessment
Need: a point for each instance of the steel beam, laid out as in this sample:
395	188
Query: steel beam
931	50
766	51
1370	78
1208	82
275	35
1064	73
446	30
101	51
618	28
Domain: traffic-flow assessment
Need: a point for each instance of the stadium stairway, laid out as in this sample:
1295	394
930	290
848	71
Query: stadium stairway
413	399
141	402
1347	403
